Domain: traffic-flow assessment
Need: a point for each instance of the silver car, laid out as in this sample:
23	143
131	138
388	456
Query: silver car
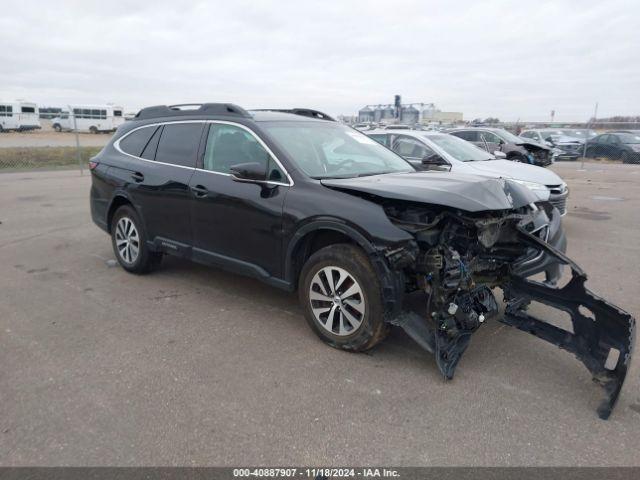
440	151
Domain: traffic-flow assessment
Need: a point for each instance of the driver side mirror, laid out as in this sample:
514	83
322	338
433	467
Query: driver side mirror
252	171
499	155
434	160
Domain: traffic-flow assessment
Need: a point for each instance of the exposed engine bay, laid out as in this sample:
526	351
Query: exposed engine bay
459	257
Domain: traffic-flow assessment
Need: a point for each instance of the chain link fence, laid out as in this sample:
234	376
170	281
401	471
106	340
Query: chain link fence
46	148
612	142
614	146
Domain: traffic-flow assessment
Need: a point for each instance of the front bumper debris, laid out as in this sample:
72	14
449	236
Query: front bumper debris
602	338
603	334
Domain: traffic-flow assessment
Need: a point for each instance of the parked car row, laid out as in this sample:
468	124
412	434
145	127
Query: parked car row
621	145
516	148
440	151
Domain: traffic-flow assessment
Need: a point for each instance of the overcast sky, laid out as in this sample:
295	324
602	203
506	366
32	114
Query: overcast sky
510	59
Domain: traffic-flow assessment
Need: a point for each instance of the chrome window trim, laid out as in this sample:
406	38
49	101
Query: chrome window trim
116	145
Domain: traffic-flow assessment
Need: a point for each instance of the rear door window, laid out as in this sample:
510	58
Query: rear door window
467	135
179	143
490	137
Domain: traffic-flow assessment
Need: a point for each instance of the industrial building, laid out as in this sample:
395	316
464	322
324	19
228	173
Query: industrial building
409	113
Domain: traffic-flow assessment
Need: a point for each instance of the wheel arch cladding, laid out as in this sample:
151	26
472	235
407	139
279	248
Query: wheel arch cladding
316	235
117	202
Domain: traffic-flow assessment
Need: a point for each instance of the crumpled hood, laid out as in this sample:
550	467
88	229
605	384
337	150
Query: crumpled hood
509	169
471	193
531	143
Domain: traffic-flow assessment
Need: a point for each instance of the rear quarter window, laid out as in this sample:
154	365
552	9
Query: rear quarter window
382	139
134	143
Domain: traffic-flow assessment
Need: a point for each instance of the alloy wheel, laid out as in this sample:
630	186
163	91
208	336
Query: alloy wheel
127	240
337	301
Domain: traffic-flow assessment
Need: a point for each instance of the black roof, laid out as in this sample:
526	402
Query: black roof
226	109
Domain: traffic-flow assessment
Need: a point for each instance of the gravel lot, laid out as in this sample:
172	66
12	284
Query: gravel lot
194	366
49	138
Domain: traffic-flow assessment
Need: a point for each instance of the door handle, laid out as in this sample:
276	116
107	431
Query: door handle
199	191
137	177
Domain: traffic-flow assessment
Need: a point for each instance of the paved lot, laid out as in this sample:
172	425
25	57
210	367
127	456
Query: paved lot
193	366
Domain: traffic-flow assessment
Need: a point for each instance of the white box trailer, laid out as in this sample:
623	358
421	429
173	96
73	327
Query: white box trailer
19	116
89	118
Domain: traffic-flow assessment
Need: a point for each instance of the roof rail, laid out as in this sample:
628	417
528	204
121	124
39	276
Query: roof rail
305	112
226	109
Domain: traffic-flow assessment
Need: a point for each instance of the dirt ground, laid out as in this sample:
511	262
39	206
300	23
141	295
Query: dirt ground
47	137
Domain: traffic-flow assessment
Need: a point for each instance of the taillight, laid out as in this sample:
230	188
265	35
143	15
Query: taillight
92	164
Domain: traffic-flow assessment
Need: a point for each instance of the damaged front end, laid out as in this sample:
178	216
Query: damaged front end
461	256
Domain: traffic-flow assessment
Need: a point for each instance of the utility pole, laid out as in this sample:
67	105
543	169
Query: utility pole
75	129
586	139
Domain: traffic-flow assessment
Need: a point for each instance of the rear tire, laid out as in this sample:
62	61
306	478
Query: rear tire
130	242
93	129
341	297
57	127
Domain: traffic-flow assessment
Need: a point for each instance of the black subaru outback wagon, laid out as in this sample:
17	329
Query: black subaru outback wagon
305	203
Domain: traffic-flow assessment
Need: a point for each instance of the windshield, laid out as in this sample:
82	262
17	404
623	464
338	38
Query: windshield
331	150
628	138
459	149
508	136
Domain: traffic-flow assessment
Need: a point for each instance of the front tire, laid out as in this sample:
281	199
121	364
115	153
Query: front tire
57	127
341	297
93	130
130	243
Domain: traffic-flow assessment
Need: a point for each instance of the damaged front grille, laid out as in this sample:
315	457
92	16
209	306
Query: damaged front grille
560	204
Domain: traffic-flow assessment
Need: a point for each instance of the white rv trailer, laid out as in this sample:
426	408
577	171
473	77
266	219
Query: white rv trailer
19	116
89	118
